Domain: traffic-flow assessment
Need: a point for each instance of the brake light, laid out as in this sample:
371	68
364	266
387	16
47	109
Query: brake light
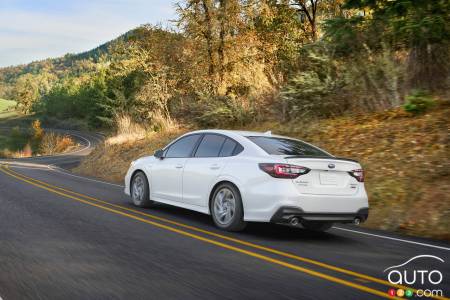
358	174
283	170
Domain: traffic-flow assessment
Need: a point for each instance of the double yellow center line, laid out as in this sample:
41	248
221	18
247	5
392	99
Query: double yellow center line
136	215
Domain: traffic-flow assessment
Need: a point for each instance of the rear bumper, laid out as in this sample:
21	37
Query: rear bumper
284	214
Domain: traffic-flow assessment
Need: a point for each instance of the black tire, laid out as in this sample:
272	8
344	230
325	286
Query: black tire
236	223
317	226
141	199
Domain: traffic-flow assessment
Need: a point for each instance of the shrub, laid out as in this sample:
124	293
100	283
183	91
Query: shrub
5	153
66	123
308	94
25	152
53	143
326	87
64	143
316	89
418	102
223	111
37	129
18	139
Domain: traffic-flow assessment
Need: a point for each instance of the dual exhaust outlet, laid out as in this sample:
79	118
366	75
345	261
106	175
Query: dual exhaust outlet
295	221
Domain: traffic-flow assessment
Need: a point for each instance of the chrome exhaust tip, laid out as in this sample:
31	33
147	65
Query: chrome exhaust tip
357	221
294	221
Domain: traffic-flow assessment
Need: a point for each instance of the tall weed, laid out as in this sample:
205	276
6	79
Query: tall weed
126	130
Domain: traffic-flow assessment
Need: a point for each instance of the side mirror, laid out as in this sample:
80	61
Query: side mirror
159	154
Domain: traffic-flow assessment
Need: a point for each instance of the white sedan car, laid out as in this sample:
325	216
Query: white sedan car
238	176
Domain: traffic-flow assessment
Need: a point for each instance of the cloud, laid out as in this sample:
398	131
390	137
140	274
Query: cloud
33	30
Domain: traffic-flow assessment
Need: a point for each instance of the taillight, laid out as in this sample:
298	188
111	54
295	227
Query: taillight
358	174
283	170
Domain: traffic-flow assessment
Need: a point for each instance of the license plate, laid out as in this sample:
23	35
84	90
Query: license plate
328	178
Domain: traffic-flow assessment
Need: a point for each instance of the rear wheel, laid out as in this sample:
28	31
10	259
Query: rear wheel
317	226
140	191
226	208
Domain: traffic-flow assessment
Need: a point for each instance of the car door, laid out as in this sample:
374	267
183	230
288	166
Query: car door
204	167
166	173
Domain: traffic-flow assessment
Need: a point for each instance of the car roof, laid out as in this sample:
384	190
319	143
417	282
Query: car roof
241	136
237	132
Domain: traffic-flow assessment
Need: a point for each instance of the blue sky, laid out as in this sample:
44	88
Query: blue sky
36	29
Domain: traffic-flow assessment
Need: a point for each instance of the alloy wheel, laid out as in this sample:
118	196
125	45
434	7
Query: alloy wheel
224	207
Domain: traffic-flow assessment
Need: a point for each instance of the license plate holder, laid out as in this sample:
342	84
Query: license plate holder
328	178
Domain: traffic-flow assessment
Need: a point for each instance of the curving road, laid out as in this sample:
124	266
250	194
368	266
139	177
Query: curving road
63	236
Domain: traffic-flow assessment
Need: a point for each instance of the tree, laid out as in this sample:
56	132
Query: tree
308	10
421	27
26	92
29	88
227	42
196	21
141	83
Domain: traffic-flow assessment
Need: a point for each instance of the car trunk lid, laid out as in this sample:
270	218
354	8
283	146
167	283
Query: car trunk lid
328	175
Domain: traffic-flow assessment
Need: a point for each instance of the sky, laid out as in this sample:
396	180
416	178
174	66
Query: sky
36	29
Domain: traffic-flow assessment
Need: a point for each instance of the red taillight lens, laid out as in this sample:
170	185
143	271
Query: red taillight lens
284	170
358	174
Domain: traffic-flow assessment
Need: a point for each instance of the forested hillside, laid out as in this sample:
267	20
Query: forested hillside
294	66
40	75
235	62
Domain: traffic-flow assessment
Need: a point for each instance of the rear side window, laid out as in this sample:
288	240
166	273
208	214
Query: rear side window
282	146
183	147
238	149
210	146
228	148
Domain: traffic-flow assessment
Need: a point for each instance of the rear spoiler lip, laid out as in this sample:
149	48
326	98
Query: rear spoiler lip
321	157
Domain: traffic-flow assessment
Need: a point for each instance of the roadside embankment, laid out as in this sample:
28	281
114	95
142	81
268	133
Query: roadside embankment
406	159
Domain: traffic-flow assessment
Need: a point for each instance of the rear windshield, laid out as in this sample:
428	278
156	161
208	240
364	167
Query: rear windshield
281	146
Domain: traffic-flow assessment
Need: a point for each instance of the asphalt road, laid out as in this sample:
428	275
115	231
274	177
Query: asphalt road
63	236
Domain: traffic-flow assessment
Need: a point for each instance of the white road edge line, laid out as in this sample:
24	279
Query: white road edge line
44	168
392	238
56	169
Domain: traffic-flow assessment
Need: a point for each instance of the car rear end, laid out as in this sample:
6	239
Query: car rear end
312	185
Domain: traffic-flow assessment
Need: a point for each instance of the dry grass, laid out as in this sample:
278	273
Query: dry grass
99	162
127	131
164	123
406	160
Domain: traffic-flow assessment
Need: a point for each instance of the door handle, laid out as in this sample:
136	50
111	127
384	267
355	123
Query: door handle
214	167
179	166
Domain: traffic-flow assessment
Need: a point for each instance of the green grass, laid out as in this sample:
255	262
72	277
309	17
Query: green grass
6	104
8	114
7	109
5	112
